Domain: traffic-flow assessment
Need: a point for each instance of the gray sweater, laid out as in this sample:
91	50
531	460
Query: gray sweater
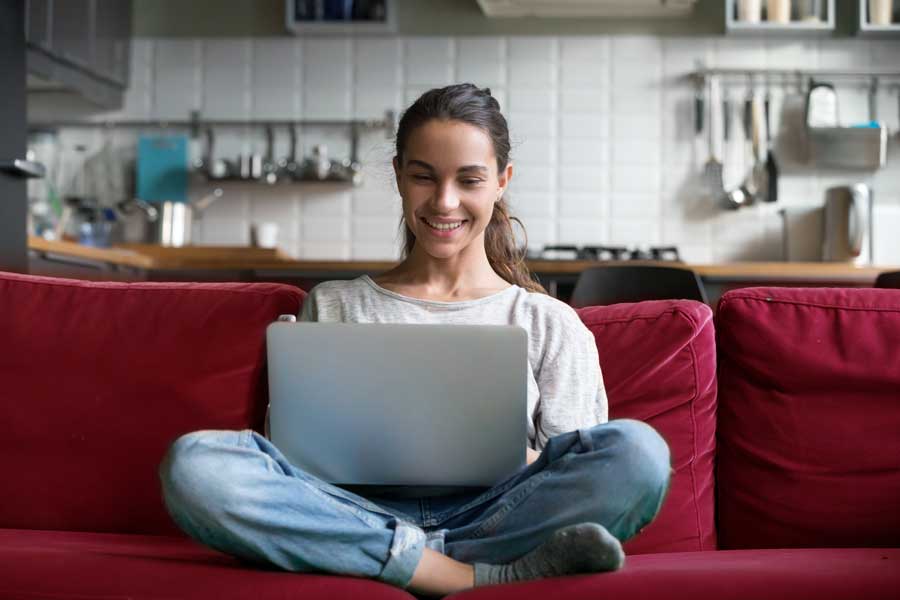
565	386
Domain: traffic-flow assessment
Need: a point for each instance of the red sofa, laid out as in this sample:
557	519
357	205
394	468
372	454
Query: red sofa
784	425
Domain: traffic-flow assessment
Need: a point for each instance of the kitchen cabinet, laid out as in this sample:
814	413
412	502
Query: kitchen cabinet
879	18
753	17
143	262
80	47
13	201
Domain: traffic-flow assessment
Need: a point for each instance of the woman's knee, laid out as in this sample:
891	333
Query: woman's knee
641	450
195	472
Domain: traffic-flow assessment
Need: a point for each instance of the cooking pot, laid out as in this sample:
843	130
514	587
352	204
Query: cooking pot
171	223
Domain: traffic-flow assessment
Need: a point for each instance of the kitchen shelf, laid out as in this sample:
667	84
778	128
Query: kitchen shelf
195	123
824	26
742	74
865	28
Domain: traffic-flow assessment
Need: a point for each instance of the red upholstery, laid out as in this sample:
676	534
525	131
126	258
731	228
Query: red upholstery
809	418
97	380
658	362
65	565
793	574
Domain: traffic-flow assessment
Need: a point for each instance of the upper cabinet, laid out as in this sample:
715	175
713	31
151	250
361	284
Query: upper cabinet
79	46
587	8
879	17
792	17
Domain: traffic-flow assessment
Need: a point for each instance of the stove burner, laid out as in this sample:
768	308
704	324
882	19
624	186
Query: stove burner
571	252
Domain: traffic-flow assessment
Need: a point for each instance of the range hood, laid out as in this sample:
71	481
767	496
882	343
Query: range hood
587	8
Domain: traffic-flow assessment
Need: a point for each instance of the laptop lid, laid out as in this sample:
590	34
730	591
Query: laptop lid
399	404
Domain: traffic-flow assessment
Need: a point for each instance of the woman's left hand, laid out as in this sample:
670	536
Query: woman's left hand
531	455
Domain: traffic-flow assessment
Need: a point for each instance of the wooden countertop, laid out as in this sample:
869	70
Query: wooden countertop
151	257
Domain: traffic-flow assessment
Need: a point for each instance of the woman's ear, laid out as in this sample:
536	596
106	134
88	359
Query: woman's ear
396	164
503	179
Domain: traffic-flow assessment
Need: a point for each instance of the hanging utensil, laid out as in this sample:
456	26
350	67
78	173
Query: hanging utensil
290	168
743	195
712	170
771	164
269	166
760	184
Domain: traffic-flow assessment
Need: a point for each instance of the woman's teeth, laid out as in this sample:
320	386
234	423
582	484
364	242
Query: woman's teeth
443	227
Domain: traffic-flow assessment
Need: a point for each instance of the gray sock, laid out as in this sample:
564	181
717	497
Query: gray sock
581	548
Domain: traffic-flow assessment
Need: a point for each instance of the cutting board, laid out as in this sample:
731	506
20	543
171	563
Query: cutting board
162	168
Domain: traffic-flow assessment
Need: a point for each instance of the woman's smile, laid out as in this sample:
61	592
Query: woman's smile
444	230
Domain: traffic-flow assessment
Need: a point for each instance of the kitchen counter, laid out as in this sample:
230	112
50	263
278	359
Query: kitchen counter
273	261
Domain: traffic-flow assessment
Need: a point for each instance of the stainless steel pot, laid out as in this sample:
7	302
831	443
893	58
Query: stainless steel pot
170	223
174	223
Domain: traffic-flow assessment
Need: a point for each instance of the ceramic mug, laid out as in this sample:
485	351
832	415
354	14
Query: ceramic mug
880	12
750	11
264	235
778	11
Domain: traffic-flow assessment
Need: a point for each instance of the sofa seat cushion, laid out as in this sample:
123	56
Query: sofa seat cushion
658	361
66	564
809	415
99	378
791	574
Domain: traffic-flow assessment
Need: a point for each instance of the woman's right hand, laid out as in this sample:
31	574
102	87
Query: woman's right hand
531	455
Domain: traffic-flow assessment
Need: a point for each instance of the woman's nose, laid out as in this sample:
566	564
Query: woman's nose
446	197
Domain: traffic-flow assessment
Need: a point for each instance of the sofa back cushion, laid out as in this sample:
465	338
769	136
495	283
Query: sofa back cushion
99	378
659	366
809	418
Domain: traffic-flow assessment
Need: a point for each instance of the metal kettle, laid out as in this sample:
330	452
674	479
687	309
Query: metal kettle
171	223
847	233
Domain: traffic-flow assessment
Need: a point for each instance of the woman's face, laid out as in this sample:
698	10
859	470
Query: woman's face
449	178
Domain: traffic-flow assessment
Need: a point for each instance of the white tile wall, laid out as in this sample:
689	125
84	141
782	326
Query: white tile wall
602	130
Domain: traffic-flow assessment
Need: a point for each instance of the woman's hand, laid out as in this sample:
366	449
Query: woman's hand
531	455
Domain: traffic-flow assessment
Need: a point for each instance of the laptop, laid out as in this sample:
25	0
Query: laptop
404	406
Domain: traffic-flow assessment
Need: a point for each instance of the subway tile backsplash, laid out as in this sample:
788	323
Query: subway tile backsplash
602	131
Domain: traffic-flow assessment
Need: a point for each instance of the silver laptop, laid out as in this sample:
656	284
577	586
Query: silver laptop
364	404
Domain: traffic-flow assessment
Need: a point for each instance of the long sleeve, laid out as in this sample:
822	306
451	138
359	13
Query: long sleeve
572	394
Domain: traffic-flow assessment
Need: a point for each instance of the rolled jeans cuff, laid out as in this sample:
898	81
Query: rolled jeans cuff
404	556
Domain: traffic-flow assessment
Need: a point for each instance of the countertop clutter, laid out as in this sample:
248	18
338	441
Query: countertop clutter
158	258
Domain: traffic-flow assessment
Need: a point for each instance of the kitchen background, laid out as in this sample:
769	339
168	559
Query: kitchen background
602	124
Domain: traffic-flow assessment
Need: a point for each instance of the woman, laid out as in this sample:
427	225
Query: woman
587	485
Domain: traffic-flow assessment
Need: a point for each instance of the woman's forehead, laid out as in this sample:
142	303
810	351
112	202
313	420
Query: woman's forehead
450	144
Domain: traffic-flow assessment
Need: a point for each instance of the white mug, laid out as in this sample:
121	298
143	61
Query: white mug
880	12
750	10
264	235
778	11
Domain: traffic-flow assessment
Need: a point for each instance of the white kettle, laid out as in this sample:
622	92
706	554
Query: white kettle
847	234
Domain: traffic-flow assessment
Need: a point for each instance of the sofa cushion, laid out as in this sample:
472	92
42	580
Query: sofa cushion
809	415
99	378
658	363
61	565
792	574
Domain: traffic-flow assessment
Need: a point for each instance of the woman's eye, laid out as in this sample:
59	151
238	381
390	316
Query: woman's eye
422	177
471	181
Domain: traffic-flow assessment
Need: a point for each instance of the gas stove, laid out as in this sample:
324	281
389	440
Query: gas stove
602	253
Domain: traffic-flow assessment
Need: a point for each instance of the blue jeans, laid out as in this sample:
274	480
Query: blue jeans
235	492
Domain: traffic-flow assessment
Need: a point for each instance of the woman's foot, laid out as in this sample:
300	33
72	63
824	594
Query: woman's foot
581	548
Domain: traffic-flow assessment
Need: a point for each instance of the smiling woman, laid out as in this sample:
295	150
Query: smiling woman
585	484
452	167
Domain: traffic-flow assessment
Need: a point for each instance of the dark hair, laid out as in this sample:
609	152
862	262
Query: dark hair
469	104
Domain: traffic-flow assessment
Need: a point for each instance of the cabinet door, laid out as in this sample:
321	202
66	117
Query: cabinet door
72	25
13	193
121	50
112	37
37	27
